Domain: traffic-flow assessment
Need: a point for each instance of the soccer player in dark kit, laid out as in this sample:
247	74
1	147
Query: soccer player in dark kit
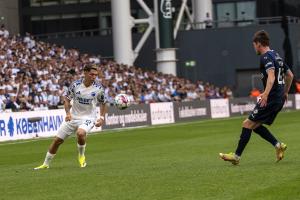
277	79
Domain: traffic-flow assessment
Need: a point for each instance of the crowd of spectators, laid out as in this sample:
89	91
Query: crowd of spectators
35	74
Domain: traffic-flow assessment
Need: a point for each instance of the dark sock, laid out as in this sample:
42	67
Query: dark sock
244	139
265	133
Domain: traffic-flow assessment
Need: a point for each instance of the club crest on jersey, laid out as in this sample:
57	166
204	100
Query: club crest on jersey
93	94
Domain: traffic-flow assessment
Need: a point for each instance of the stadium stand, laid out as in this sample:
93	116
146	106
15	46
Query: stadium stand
35	74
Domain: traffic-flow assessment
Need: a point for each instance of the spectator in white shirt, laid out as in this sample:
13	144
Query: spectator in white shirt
3	32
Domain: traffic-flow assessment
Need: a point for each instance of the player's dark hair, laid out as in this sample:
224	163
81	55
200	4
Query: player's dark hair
88	68
262	37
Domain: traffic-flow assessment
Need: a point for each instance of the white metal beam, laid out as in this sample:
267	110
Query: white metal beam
142	41
184	9
179	18
149	21
122	24
145	7
190	17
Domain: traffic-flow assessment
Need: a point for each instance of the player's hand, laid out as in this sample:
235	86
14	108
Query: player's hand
263	99
99	122
68	117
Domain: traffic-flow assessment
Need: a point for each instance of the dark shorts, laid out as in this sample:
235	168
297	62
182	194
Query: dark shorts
267	114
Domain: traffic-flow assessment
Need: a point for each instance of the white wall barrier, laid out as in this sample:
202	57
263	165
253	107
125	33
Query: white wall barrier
26	125
162	113
135	115
290	103
297	101
219	108
14	126
191	110
241	106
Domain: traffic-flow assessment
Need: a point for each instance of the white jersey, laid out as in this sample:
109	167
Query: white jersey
85	99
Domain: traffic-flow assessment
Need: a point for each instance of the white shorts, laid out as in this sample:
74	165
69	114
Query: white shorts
67	128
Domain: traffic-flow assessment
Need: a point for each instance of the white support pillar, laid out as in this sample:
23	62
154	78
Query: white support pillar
166	60
122	23
202	12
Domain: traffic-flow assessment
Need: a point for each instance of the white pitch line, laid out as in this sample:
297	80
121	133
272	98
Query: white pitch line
22	141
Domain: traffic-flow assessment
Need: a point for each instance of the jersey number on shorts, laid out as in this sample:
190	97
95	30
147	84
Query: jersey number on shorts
87	122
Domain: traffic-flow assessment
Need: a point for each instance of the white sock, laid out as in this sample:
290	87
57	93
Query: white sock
81	149
48	158
237	157
277	145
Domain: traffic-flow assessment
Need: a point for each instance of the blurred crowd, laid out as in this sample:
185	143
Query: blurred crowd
35	74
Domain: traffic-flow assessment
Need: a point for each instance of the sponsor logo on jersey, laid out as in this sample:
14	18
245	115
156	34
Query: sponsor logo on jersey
84	100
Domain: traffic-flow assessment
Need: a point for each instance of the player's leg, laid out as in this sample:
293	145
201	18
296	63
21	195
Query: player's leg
53	148
263	132
52	151
81	133
248	126
268	118
234	158
65	130
268	136
81	144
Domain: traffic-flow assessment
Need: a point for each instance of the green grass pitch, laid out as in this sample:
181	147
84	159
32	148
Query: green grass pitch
172	162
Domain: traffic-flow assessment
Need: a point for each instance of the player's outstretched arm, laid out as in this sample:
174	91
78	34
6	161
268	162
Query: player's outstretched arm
67	106
270	82
288	78
103	111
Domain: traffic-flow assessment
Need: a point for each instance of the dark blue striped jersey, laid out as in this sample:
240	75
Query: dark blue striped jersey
272	60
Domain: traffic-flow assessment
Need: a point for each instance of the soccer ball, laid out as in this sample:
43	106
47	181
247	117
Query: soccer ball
122	101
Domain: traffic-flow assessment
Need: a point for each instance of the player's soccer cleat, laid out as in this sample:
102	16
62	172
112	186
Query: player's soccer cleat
280	151
231	157
81	160
43	166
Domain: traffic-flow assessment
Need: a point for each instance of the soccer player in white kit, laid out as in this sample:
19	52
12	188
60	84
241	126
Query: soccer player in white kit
81	116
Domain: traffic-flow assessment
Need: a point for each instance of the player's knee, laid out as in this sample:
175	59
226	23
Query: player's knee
245	124
81	133
58	141
248	124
